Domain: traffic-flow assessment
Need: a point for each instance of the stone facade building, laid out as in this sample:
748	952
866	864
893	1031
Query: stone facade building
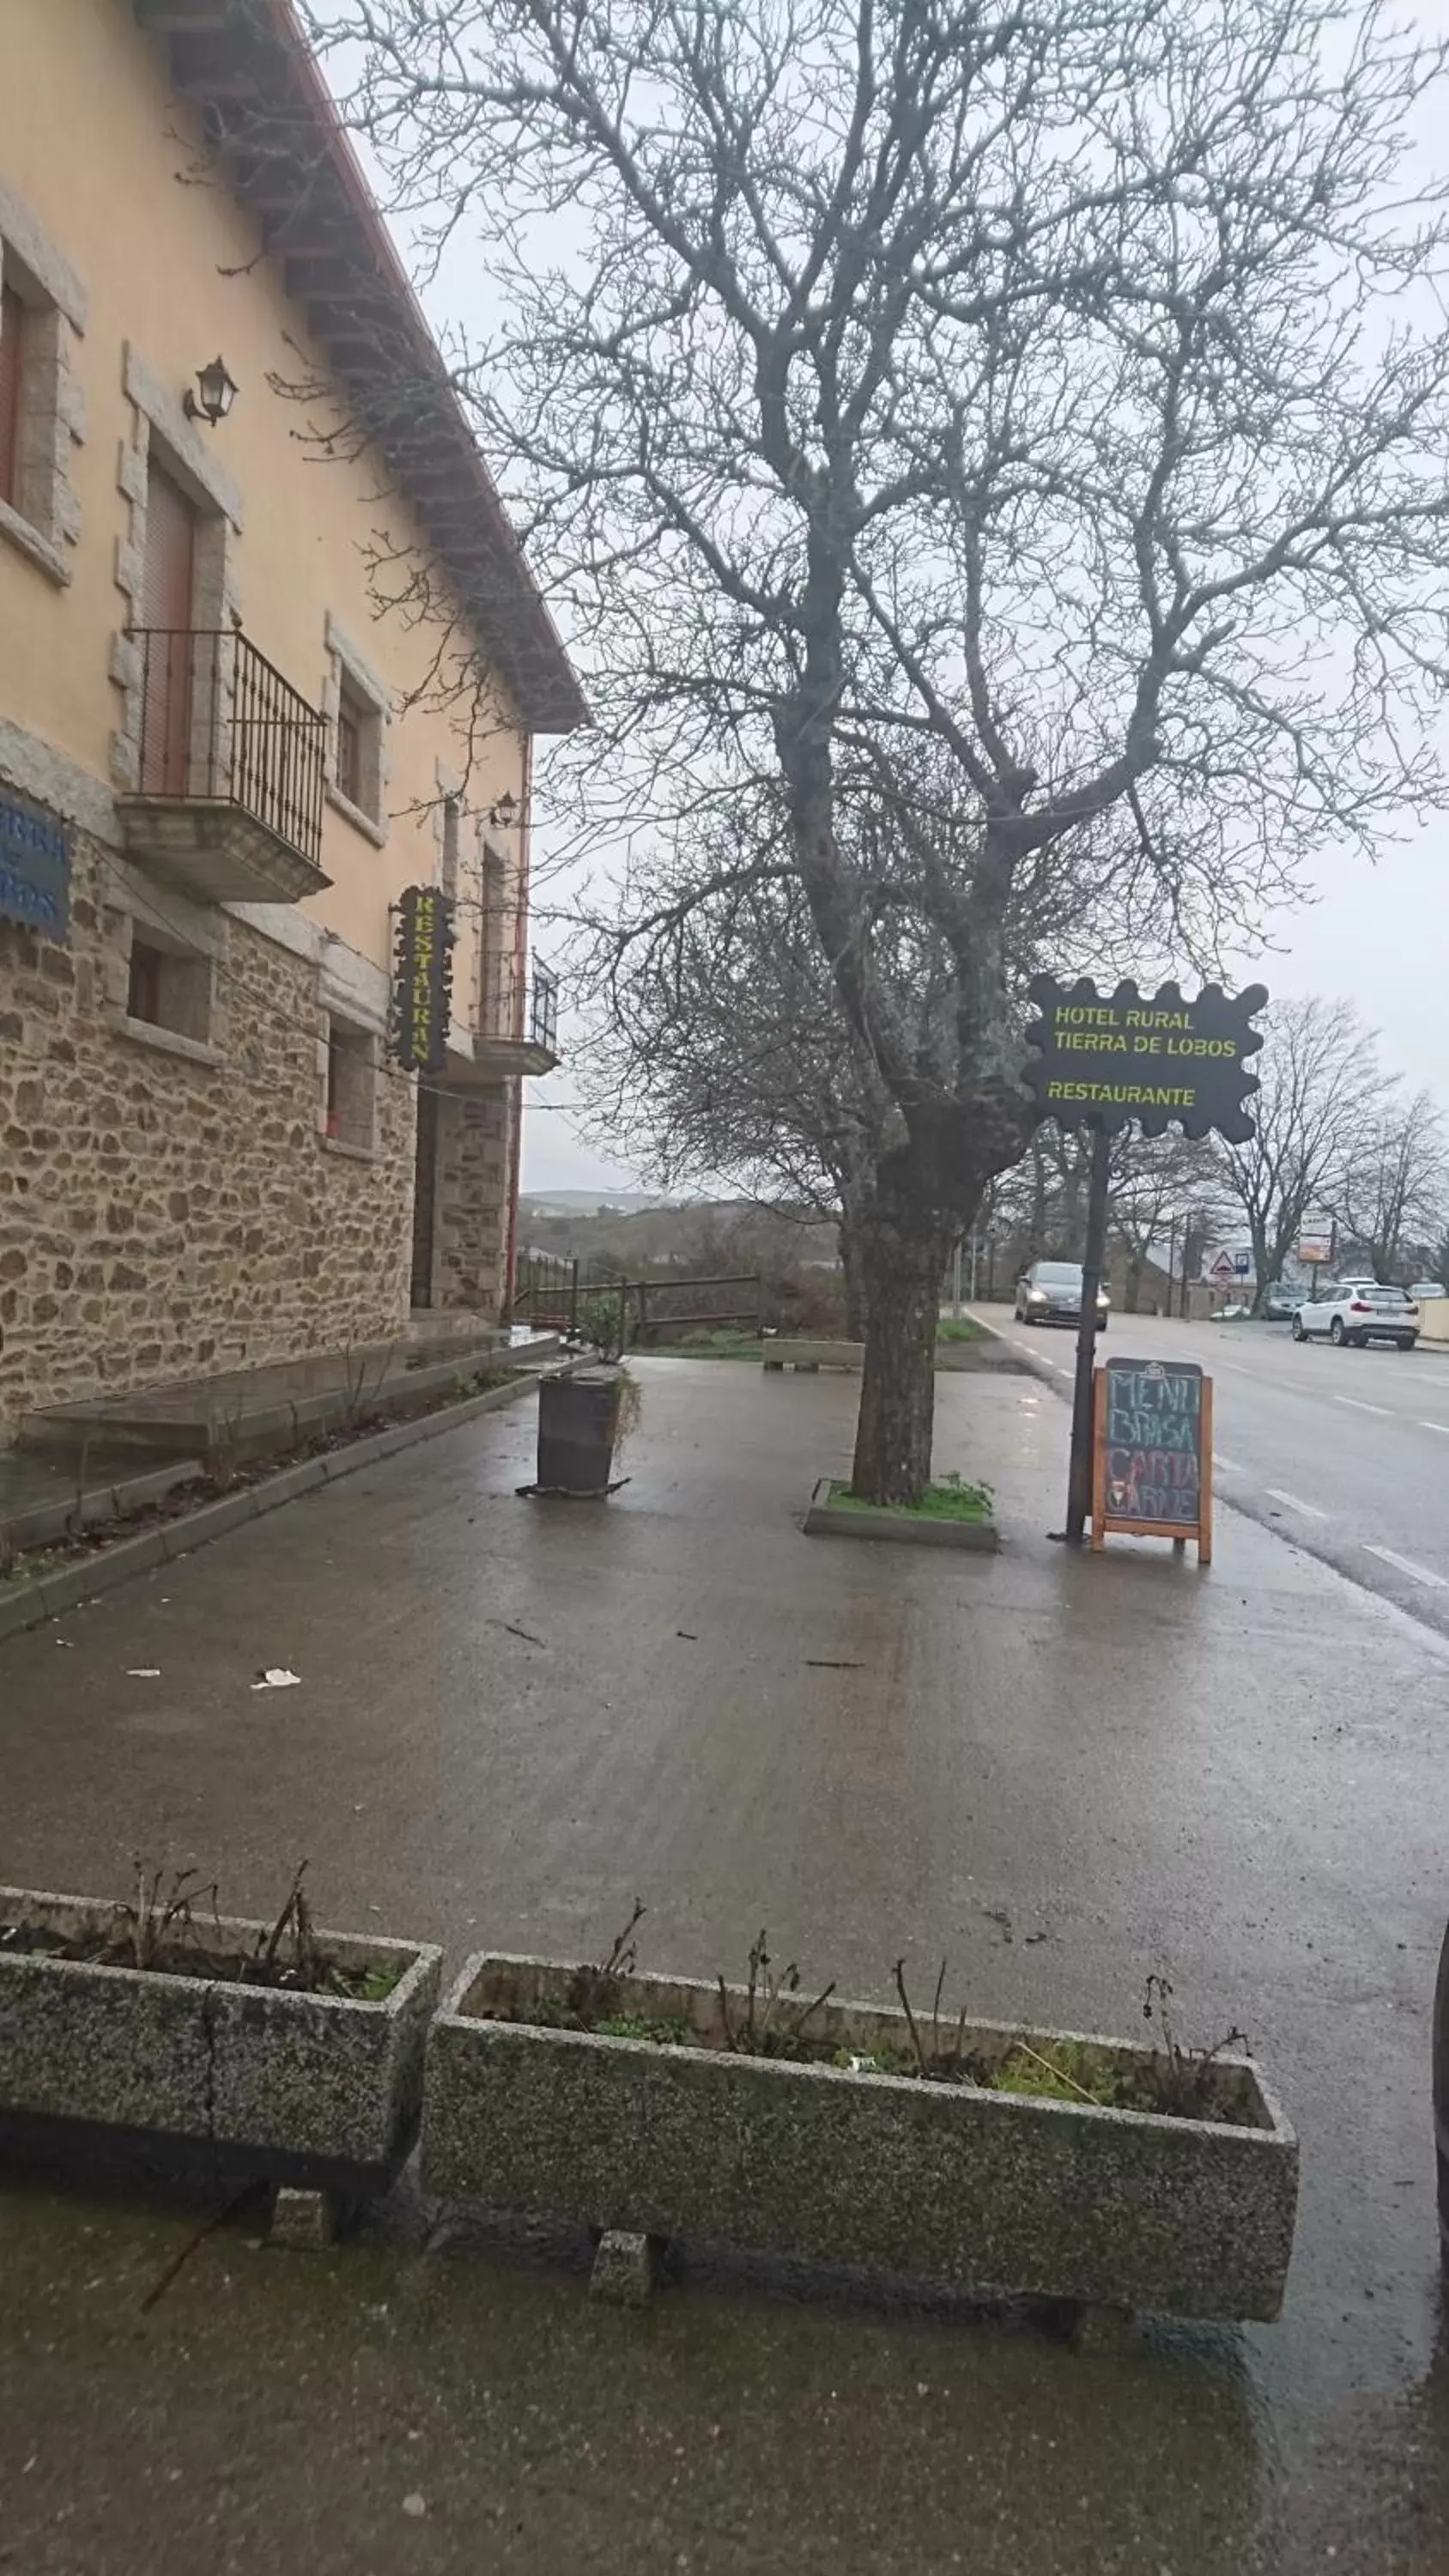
224	754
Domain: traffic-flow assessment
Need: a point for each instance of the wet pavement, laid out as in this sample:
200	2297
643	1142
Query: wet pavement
1058	1773
1345	1452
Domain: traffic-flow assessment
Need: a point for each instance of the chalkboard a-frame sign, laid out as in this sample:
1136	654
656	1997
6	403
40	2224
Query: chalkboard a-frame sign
1153	1452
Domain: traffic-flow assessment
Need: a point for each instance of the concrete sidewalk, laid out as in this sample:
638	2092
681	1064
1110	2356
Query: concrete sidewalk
1059	1773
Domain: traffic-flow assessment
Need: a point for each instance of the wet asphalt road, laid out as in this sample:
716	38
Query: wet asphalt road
1058	1772
1345	1452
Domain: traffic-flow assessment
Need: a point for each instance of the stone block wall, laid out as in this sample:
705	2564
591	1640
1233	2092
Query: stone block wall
161	1215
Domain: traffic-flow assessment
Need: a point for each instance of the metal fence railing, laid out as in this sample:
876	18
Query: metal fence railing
546	1291
519	1002
219	722
552	1293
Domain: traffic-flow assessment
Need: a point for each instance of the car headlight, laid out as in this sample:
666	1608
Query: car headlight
1036	1297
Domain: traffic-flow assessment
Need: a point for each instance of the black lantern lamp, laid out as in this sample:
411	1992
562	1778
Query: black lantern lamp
215	393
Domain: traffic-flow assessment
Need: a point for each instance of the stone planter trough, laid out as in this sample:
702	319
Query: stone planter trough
315	2090
954	2184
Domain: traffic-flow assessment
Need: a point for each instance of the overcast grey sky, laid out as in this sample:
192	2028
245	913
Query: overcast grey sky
1379	935
1376	934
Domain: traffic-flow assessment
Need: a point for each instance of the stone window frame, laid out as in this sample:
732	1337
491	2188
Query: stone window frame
358	1052
159	425
352	996
45	523
192	934
449	815
347	665
497	955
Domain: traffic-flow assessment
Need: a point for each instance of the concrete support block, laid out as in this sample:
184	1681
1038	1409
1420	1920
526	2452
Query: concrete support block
623	2273
307	2222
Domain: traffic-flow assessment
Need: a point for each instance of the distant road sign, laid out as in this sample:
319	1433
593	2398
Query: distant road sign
1226	1264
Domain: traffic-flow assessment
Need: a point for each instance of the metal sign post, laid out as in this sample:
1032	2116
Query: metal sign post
1079	1474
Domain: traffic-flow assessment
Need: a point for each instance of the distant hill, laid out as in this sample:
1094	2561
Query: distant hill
592	1202
648	1237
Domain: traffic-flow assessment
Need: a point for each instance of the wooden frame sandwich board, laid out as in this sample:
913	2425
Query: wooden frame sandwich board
1152	1452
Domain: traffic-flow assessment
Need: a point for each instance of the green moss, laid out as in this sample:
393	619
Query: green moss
948	1499
367	1985
960	1328
1061	2073
664	2032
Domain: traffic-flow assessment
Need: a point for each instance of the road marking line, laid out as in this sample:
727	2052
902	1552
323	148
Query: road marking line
1229	1466
1406	1565
1433	1426
1295	1505
1354	1404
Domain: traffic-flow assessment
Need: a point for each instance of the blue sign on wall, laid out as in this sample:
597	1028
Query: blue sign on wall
34	866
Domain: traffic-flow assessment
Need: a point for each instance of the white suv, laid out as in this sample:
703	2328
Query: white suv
1360	1311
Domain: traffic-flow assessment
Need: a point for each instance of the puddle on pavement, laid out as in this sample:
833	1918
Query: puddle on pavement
746	2422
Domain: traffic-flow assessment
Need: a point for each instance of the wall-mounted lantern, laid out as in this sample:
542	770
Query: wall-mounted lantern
215	393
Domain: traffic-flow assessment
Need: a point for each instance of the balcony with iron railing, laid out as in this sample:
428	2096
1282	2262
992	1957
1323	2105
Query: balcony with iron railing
230	767
517	1031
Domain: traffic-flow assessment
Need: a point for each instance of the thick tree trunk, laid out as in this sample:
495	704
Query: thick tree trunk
904	1258
852	1265
1266	1265
1133	1297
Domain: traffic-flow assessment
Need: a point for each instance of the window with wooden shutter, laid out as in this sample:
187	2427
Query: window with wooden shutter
12	358
358	707
168	645
350	720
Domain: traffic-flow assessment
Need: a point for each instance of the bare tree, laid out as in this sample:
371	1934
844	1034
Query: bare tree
721	1056
1320	1089
1155	1180
1152	1184
1391	1189
723	1051
1016	374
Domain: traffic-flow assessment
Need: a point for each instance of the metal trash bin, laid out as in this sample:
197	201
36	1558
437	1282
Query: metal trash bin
577	1417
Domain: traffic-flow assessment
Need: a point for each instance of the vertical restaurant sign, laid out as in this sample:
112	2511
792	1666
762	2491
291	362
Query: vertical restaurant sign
34	866
1153	1451
422	979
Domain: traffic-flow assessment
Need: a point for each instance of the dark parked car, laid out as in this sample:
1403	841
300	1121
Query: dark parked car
1050	1292
1281	1304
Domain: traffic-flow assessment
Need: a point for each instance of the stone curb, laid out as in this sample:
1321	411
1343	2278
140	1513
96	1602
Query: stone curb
46	1522
31	1603
1029	1363
324	1410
